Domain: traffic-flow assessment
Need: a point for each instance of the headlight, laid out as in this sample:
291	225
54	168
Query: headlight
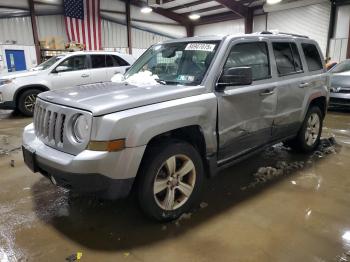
5	81
80	128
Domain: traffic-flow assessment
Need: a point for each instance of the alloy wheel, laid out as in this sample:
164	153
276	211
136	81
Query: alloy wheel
174	182
312	129
29	102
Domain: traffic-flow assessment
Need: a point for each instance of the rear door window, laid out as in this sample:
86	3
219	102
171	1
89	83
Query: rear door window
113	61
312	57
98	61
252	54
287	58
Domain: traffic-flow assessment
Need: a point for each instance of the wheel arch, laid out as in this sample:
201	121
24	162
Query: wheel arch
320	102
192	134
20	91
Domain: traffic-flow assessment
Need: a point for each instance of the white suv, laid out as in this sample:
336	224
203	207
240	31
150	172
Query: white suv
19	90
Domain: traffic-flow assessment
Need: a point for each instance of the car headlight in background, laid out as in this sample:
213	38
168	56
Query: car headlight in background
5	81
81	128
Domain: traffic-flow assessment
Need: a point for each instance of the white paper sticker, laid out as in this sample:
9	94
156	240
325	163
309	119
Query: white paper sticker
200	47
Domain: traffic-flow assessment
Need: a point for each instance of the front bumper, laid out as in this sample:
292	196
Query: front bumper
339	99
110	174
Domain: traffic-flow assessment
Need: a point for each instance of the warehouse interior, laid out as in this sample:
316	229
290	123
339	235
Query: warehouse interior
278	205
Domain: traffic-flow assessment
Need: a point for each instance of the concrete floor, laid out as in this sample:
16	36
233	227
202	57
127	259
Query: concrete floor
295	208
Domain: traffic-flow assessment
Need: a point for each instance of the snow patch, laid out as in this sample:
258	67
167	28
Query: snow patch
143	78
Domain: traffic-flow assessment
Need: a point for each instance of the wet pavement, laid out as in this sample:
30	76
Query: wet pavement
275	206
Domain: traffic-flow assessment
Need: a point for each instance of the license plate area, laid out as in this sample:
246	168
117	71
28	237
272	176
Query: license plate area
29	158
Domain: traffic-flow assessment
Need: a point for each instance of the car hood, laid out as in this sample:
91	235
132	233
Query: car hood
19	74
340	80
104	98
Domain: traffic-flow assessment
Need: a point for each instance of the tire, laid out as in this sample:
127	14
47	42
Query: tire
177	194
26	102
308	137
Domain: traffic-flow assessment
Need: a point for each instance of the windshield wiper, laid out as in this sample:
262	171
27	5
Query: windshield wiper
165	82
160	81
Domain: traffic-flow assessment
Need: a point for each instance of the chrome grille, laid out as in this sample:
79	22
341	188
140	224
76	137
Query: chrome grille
49	125
53	126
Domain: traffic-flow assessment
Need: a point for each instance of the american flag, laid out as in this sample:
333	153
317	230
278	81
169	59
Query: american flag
83	22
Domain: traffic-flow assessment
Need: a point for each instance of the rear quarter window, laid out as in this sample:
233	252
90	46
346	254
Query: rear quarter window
312	56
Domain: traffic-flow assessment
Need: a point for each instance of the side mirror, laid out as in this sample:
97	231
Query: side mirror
61	69
235	76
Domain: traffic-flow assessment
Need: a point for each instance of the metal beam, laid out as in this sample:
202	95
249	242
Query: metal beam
35	31
128	25
212	8
14	7
164	12
189	5
234	6
217	18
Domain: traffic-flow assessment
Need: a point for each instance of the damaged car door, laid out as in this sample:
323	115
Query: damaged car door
245	110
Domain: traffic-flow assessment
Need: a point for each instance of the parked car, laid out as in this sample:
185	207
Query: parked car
219	100
19	90
340	84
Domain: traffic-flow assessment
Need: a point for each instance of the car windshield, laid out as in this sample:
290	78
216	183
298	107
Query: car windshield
48	63
342	67
183	63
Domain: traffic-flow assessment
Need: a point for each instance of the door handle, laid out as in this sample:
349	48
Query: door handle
84	75
267	92
302	85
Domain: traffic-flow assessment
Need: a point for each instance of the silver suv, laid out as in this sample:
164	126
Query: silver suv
18	90
195	106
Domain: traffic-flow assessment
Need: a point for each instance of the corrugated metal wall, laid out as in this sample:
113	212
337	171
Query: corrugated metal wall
312	20
143	39
51	25
113	34
222	28
17	29
259	23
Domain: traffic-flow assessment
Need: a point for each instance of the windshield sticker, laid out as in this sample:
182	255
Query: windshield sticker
185	78
200	47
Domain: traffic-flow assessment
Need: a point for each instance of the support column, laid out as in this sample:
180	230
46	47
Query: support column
248	22
331	28
128	25
348	49
35	31
190	30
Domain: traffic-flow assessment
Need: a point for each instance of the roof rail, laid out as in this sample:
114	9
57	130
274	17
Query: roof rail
281	33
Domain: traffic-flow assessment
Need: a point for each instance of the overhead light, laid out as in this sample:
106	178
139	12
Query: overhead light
194	16
146	9
273	2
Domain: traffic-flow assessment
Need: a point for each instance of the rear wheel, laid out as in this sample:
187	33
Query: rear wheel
171	180
26	102
308	137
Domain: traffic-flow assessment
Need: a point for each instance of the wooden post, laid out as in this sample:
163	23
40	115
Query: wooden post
35	31
128	25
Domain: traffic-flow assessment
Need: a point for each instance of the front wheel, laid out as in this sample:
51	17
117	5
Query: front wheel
171	180
308	137
26	102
